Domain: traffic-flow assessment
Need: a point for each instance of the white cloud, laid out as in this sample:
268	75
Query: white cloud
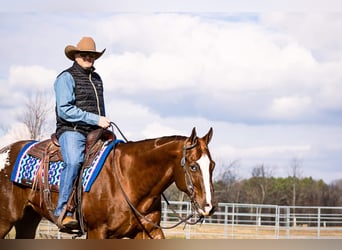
166	73
237	65
290	107
33	77
175	5
157	72
156	129
266	152
17	132
317	31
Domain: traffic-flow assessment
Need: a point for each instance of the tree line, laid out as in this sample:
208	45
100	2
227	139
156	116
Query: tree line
263	188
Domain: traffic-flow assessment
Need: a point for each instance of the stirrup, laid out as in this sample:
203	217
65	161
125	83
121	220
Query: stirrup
59	219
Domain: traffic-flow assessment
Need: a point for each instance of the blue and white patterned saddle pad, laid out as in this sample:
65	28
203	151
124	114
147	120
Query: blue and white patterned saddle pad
26	167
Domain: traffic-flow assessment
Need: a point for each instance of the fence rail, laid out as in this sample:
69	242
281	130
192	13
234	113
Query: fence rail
232	220
244	221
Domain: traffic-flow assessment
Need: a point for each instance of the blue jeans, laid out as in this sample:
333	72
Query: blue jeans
72	148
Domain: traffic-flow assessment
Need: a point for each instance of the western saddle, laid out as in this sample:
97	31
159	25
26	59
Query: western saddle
49	151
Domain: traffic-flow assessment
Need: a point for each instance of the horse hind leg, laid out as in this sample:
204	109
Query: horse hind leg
5	228
6	224
26	227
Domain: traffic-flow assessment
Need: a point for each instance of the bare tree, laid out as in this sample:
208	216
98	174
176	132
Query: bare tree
35	114
296	173
261	175
226	183
229	174
295	167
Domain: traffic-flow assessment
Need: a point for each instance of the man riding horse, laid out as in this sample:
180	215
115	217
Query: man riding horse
124	196
80	109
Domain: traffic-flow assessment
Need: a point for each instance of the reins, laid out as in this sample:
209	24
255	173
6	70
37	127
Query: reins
116	126
189	185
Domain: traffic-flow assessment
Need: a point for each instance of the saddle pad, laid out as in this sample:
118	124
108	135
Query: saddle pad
26	167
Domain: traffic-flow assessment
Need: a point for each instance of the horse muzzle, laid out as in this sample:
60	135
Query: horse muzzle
207	210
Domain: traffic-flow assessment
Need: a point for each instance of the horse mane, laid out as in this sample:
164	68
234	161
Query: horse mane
161	141
167	139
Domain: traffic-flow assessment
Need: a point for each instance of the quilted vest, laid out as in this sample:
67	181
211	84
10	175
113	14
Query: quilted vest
88	97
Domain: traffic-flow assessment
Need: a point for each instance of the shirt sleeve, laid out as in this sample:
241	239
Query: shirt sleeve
65	102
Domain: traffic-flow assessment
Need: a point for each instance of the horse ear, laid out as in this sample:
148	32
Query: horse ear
193	137
208	136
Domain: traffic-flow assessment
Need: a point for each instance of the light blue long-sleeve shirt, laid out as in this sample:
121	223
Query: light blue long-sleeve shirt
65	101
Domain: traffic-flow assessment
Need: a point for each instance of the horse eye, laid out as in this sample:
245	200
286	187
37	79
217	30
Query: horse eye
193	167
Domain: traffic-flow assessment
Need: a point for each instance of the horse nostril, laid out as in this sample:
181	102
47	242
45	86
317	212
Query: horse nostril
208	208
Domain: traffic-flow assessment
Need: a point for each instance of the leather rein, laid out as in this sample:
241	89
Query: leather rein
190	188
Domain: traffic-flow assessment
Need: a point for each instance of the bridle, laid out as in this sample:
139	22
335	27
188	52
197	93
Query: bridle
190	189
188	181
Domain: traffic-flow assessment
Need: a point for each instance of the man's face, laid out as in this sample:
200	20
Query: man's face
85	59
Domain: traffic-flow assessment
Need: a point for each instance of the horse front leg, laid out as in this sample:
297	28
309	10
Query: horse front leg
98	233
155	234
150	230
158	234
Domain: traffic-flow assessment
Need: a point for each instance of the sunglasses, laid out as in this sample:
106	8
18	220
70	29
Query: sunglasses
85	54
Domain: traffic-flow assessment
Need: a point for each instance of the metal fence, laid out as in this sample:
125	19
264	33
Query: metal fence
243	221
253	221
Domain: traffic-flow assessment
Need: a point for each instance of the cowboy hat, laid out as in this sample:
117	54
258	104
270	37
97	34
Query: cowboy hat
86	44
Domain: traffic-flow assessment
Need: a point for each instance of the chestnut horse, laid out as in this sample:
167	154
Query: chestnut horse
125	199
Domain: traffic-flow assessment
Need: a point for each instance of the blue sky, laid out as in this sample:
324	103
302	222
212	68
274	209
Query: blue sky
267	80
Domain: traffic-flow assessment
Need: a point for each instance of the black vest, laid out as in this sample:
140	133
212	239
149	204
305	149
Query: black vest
86	98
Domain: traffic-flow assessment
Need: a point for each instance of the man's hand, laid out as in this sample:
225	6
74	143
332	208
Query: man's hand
104	122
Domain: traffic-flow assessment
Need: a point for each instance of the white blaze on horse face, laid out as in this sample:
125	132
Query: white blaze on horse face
204	163
4	159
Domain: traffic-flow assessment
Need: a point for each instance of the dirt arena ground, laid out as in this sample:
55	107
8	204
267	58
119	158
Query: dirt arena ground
218	231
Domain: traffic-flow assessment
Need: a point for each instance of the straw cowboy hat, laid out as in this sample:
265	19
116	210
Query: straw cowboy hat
86	44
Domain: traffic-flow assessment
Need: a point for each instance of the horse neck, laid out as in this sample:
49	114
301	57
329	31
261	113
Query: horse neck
158	160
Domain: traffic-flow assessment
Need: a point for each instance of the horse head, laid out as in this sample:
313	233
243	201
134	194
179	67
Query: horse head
195	175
